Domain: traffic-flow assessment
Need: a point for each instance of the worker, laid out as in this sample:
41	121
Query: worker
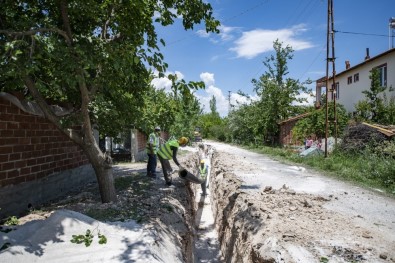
152	149
203	176
168	151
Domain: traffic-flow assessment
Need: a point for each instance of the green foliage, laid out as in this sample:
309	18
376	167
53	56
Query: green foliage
376	107
243	124
87	238
258	121
213	106
315	123
11	221
5	246
95	58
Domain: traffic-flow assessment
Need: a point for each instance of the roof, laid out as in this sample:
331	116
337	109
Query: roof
360	64
301	116
388	131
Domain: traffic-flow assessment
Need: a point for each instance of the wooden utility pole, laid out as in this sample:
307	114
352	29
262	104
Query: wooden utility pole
330	60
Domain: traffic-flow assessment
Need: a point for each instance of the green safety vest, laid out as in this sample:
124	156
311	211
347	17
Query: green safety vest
155	145
203	172
165	152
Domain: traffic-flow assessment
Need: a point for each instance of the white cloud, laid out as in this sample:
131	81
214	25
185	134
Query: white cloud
161	83
225	32
255	42
165	83
202	33
221	99
310	99
207	78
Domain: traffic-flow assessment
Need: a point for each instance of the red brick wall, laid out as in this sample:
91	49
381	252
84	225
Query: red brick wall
286	133
32	148
141	141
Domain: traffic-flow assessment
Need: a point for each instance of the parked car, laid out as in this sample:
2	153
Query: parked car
121	155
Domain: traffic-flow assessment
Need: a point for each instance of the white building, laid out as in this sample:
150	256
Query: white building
354	79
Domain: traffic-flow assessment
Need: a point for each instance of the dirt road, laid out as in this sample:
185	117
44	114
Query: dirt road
303	215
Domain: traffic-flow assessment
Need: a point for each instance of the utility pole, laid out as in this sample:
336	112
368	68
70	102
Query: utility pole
391	28
330	59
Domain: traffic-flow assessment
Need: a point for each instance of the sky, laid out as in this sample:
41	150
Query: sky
228	61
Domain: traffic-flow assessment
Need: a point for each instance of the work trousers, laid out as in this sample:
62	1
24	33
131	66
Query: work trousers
166	168
151	165
204	186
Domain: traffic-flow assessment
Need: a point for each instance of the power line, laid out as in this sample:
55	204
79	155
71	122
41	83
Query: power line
246	11
359	33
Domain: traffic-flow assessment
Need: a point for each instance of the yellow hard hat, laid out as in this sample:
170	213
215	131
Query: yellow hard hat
183	140
202	161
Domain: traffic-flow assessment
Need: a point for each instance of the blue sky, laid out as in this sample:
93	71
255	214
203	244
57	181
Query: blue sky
230	60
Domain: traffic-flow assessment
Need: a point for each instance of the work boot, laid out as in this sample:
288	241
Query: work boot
170	182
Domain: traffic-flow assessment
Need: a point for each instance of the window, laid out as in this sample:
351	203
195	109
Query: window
337	91
356	77
349	80
383	75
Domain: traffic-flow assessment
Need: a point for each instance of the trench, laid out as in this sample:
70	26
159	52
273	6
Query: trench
222	219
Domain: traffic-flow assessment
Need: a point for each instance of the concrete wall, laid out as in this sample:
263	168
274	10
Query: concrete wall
37	162
351	93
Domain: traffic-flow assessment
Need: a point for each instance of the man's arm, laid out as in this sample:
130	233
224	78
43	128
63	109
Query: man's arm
175	149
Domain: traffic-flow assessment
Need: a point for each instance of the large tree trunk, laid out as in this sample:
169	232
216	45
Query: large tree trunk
102	165
105	180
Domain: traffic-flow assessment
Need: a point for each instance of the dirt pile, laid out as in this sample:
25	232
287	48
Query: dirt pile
280	225
357	138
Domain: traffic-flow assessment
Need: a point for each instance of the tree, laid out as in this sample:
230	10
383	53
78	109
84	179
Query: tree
315	123
94	57
210	122
213	106
376	107
277	93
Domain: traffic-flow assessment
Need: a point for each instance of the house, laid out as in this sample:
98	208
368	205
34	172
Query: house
354	79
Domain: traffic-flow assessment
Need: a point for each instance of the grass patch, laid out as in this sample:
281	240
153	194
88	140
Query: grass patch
138	181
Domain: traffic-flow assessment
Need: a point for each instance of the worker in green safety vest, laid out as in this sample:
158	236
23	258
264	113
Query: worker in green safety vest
152	149
203	176
168	151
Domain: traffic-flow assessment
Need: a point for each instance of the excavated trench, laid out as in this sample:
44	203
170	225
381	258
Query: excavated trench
238	222
226	223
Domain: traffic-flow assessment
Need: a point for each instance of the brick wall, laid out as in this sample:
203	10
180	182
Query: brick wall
286	127
33	151
32	148
286	133
141	141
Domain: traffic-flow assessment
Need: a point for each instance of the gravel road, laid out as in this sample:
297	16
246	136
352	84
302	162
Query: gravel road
361	219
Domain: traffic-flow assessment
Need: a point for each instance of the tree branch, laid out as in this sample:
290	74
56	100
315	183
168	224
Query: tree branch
35	31
65	18
48	113
105	27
